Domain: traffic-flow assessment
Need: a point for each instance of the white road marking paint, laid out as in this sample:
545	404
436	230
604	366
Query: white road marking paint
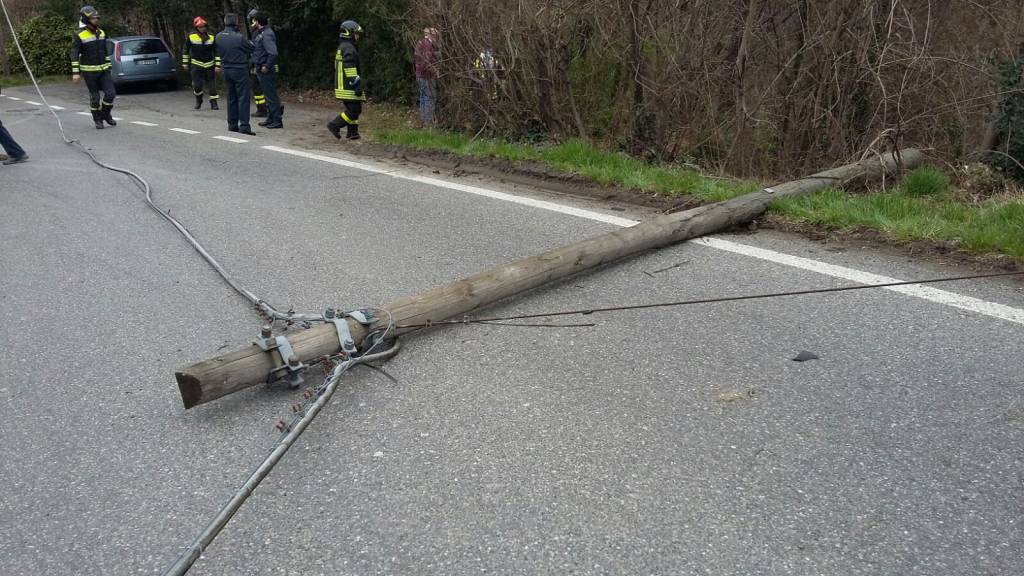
56	107
32	103
117	119
542	204
230	139
944	297
14	98
141	123
84	113
184	131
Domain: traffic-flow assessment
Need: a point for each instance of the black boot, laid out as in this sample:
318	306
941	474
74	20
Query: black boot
353	132
335	126
213	104
199	102
97	119
261	111
107	109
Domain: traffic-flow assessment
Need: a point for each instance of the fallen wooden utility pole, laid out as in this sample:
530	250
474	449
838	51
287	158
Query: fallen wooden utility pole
234	371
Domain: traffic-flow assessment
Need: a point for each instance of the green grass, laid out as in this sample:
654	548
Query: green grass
7	81
577	157
923	207
906	213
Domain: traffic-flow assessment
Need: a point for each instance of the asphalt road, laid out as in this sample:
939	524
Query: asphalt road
672	441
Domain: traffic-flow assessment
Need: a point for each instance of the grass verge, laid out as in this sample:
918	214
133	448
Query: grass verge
923	207
7	81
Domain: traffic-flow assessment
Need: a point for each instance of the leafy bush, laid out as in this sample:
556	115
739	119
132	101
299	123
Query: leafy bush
46	41
925	181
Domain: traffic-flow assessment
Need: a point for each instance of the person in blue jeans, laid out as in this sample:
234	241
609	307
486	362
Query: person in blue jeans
15	154
425	58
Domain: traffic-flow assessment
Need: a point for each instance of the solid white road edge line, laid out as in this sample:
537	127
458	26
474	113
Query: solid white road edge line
969	303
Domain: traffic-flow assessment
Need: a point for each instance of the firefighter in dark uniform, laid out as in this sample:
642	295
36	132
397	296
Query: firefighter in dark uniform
90	58
348	86
264	59
234	50
200	55
257	91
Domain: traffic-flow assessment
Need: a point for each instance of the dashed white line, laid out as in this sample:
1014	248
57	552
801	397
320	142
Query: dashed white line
84	113
14	98
976	305
32	103
141	123
184	130
230	139
56	107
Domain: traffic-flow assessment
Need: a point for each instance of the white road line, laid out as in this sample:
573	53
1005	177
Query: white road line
56	107
141	123
84	113
117	119
542	204
230	139
184	131
32	103
14	98
928	293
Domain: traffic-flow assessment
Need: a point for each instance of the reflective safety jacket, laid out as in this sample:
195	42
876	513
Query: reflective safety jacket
347	84
200	51
89	51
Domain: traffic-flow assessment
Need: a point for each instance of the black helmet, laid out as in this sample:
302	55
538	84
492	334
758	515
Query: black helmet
252	14
88	12
349	28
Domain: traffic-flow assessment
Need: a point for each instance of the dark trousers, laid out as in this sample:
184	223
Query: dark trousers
257	92
98	82
353	108
268	82
204	81
10	146
237	80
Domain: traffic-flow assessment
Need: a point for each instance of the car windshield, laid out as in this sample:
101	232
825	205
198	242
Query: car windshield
146	46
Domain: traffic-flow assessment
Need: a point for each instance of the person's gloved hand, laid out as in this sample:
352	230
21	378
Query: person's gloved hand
357	86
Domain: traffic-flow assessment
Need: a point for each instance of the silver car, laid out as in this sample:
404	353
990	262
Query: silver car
143	59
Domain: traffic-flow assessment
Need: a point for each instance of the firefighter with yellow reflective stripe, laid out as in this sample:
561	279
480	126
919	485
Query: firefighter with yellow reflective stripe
90	58
200	55
348	85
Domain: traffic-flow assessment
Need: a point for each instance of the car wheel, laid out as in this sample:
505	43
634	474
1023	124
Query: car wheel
172	85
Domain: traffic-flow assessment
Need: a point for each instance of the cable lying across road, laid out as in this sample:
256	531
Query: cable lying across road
499	320
261	305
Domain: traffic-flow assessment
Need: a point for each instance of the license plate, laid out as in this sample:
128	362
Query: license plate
145	62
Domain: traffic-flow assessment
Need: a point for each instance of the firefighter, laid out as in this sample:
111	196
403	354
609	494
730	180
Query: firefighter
348	86
233	49
257	92
200	55
90	58
264	59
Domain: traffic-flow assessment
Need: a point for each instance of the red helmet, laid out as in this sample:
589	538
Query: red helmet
199	21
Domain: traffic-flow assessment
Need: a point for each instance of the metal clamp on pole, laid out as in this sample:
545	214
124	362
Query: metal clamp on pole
292	366
348	345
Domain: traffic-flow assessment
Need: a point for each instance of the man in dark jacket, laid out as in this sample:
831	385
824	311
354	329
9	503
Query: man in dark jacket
90	57
200	54
264	57
234	50
348	86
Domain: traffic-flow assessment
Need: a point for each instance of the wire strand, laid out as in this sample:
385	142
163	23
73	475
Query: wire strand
494	320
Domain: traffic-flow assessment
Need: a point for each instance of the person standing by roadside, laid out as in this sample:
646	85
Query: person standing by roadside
265	59
348	86
233	49
426	57
90	57
200	55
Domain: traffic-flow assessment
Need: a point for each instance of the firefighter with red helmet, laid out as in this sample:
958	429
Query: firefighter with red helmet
200	56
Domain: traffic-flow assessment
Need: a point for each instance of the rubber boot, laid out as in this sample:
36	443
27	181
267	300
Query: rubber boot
213	104
199	103
334	126
107	116
353	132
97	119
261	111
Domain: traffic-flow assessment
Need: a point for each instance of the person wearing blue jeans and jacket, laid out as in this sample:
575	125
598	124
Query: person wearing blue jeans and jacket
15	154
